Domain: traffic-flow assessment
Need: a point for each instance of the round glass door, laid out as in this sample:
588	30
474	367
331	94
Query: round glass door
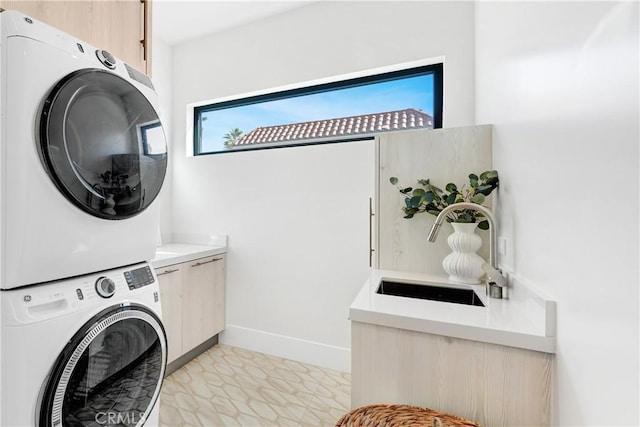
102	144
110	372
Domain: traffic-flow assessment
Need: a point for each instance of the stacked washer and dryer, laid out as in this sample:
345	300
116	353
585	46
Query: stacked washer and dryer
82	158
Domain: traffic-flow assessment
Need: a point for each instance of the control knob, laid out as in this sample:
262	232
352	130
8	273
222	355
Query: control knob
106	58
105	287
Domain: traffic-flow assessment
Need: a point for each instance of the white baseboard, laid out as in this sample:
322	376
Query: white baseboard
323	355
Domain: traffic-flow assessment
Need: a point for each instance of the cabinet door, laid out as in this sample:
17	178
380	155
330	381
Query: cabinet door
121	27
203	300
491	384
170	281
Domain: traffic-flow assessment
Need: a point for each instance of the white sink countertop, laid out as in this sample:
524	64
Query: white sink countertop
175	253
525	319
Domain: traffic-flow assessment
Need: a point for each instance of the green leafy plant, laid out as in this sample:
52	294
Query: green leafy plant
432	200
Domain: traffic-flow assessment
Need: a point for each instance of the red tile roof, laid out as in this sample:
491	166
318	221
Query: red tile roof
409	118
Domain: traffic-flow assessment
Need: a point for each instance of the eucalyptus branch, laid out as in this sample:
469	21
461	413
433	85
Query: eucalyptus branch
432	200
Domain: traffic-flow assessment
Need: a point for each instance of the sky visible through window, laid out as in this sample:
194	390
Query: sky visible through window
409	92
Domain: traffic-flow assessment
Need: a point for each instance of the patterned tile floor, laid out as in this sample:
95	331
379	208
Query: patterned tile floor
229	386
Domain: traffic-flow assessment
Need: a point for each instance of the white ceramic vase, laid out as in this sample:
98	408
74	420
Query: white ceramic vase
463	264
108	204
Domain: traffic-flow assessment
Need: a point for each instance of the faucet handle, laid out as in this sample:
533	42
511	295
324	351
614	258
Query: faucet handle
494	276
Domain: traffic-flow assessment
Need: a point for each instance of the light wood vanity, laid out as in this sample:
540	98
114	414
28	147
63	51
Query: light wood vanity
489	364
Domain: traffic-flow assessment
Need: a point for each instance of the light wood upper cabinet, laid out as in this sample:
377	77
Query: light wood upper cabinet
121	27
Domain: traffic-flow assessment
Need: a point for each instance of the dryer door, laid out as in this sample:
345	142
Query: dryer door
102	144
110	372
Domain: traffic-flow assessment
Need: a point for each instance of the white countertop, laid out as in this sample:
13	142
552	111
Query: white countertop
525	320
175	253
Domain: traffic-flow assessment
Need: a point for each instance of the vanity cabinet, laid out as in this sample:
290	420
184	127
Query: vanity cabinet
121	27
493	385
193	303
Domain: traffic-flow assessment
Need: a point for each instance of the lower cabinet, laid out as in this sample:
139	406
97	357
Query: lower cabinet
193	303
490	384
170	281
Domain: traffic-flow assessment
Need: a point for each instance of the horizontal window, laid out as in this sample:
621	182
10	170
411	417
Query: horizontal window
338	111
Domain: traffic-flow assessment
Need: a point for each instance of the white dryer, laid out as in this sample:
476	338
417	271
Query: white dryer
87	351
82	157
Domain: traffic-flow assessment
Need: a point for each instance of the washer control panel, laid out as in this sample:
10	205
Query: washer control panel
58	299
139	277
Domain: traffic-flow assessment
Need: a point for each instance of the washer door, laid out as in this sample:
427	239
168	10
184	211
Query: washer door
110	372
102	144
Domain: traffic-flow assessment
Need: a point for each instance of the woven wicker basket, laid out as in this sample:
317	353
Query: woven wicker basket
400	415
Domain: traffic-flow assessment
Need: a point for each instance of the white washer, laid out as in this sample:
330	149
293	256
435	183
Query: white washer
87	351
82	157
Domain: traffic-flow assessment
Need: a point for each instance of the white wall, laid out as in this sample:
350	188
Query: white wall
559	81
297	218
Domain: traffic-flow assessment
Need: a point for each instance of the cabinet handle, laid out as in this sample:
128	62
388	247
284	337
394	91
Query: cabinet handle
143	42
197	264
371	215
173	270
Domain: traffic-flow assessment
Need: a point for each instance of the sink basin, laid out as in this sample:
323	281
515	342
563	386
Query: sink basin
430	292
